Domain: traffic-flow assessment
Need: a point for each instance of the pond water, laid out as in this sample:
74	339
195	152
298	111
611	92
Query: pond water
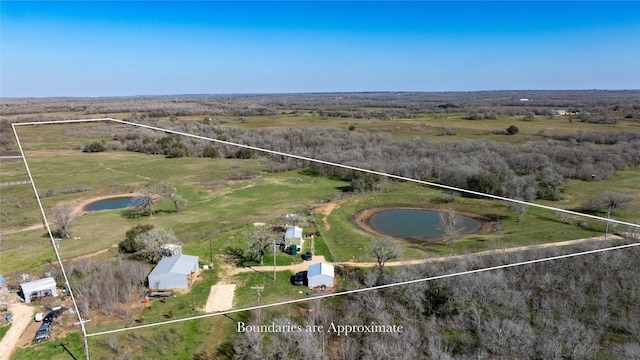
413	223
111	204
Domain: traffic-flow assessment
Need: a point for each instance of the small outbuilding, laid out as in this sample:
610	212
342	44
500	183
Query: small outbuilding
293	236
320	274
37	289
173	272
4	285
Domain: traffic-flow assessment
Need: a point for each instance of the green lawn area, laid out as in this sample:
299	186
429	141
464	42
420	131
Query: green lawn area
3	329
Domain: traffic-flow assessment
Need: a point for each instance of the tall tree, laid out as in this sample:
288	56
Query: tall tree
451	225
259	240
149	195
383	250
152	242
520	188
62	217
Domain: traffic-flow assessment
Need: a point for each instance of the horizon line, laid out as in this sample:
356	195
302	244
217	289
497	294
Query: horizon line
303	93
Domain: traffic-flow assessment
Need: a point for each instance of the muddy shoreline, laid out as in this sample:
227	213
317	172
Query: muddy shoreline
79	205
363	220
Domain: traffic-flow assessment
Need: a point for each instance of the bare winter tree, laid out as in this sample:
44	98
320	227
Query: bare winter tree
178	201
383	250
520	188
62	217
610	201
150	194
451	225
259	240
152	242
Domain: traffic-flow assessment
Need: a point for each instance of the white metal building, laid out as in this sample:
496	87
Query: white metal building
36	289
320	274
293	236
172	272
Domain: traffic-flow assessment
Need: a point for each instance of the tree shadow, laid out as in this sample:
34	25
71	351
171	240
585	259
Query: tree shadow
236	255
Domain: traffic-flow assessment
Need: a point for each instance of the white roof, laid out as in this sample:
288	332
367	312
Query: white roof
38	285
179	264
293	232
320	269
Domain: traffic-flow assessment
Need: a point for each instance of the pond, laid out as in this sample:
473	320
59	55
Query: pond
415	223
111	204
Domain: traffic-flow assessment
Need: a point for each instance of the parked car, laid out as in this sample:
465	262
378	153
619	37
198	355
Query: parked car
307	256
44	332
52	315
298	279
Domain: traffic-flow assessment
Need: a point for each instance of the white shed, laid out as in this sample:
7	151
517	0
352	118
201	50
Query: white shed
36	289
293	236
320	274
172	272
4	285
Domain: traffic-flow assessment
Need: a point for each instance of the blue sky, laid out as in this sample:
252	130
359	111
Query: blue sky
157	48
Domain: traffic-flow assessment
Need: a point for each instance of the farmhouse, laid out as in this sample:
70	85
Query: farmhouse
293	236
173	272
36	289
320	274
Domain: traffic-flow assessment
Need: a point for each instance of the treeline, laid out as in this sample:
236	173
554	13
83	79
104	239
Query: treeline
578	308
390	103
537	168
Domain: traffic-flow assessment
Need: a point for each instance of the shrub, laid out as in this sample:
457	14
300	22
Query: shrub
94	147
512	130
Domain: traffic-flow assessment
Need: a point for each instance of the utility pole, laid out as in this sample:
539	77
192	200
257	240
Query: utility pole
258	289
274	259
210	254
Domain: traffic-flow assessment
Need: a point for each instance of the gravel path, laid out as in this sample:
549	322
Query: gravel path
21	317
220	298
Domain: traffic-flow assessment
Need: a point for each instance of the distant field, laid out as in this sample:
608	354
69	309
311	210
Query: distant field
431	126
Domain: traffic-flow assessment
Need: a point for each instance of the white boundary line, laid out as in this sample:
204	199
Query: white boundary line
53	244
86	336
468	272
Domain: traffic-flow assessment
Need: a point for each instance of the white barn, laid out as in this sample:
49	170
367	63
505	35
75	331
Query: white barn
173	272
320	274
293	236
36	289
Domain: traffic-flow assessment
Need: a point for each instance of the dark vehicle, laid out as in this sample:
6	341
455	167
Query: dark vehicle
52	315
299	279
43	332
307	256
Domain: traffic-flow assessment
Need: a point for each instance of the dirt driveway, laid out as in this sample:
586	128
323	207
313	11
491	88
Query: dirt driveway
220	298
21	317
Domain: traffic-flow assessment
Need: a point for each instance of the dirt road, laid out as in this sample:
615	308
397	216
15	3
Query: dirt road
22	316
316	259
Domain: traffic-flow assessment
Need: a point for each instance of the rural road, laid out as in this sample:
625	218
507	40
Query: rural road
21	317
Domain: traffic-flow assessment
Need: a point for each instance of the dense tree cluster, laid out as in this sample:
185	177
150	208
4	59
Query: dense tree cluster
105	286
481	165
566	309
